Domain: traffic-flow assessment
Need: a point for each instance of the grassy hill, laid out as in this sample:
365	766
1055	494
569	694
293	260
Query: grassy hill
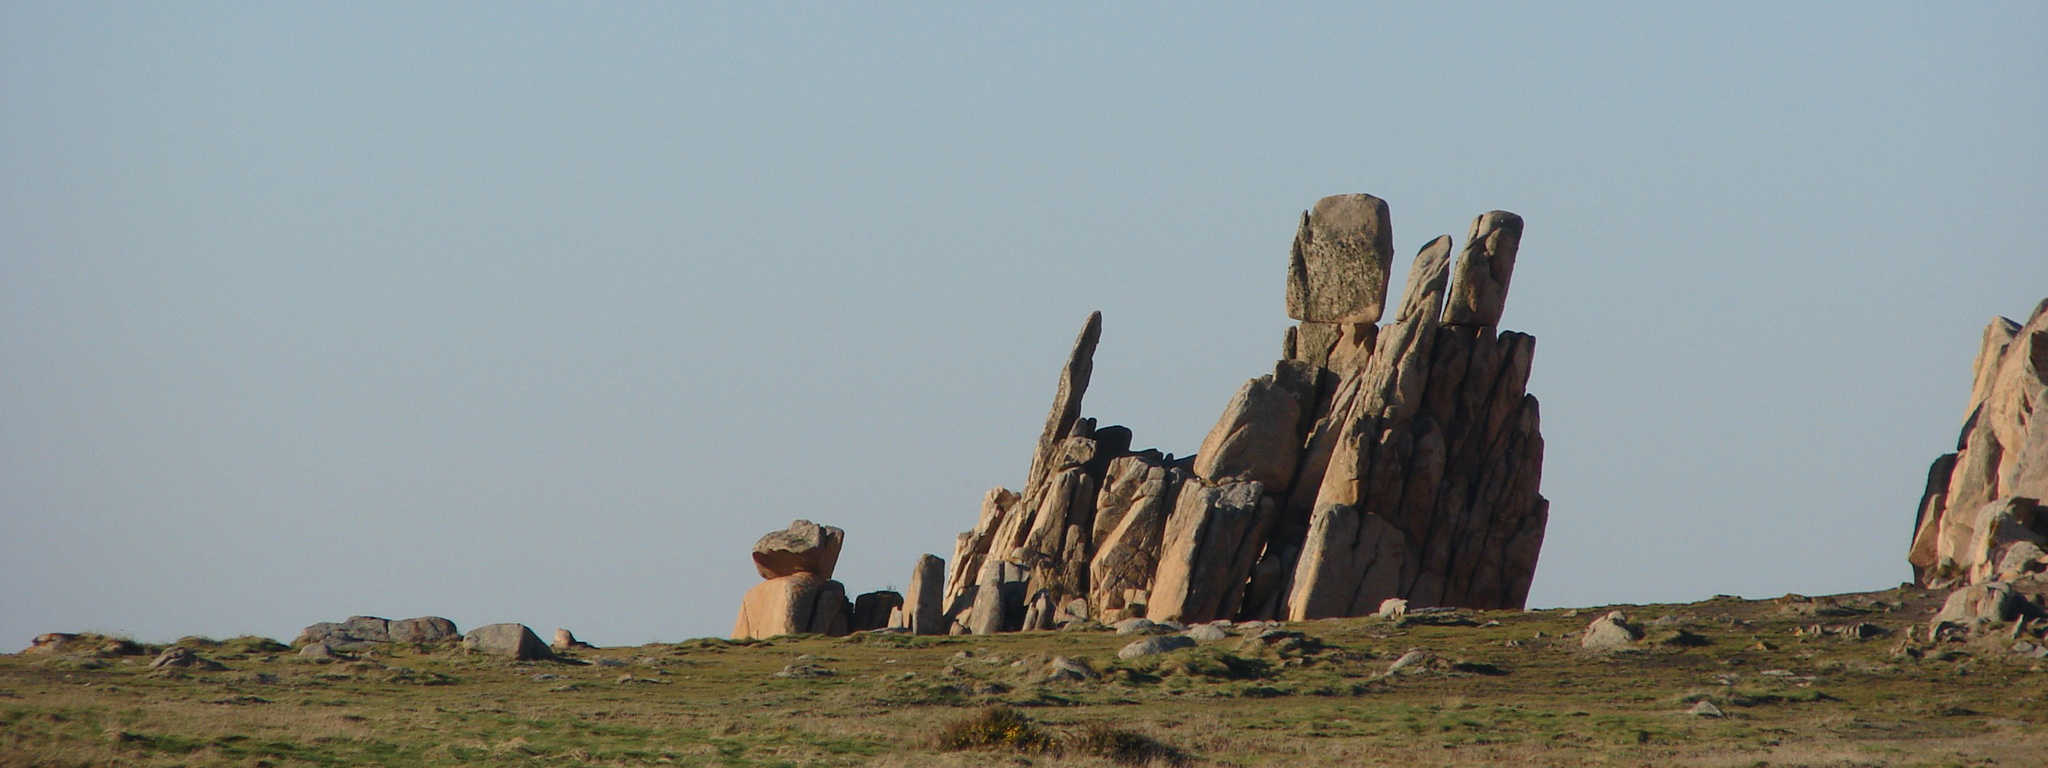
1490	688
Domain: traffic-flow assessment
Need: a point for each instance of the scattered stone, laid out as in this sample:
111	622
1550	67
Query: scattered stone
1155	645
319	652
544	677
180	657
1412	662
1976	606
804	672
1205	633
1611	632
511	641
566	641
1705	708
362	632
1140	626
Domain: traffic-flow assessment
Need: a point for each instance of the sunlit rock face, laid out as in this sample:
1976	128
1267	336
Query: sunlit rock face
1376	462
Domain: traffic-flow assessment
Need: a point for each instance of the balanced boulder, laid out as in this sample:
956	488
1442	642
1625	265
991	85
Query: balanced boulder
803	547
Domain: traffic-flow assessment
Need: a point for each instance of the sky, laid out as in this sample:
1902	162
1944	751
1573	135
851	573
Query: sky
545	312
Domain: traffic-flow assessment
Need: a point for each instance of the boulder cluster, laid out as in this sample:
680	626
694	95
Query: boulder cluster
1374	462
1980	518
797	594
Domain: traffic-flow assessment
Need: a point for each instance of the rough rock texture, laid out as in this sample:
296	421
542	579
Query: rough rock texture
425	629
359	632
798	603
1375	462
180	657
804	547
512	641
565	640
925	611
1611	632
1980	501
49	642
1337	272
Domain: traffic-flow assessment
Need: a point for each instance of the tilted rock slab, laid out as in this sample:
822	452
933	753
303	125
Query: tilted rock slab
1337	272
1977	503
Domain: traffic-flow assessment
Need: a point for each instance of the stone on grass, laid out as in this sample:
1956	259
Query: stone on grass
1205	633
180	657
509	640
1705	709
1139	625
425	629
1393	608
1155	645
1611	632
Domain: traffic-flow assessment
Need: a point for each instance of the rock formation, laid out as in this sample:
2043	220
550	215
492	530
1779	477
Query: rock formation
359	632
1980	518
798	594
1373	463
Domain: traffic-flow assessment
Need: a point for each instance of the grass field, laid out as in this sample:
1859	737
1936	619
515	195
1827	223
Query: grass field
1493	688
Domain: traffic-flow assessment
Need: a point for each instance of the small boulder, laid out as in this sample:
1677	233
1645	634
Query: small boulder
318	652
425	629
1205	633
180	657
1139	625
1412	662
1705	709
804	672
1155	645
49	642
565	640
512	641
1976	606
1611	632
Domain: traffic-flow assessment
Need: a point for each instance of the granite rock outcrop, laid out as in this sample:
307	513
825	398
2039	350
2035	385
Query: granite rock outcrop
1374	463
1980	518
797	594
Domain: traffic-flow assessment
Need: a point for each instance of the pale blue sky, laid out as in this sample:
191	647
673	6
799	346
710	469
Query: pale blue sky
541	313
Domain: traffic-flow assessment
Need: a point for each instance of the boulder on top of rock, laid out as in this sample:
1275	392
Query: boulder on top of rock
1337	270
511	641
1611	632
803	547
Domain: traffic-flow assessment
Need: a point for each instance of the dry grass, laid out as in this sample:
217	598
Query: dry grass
1516	693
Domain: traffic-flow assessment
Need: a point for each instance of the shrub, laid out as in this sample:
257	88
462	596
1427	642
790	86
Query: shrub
996	728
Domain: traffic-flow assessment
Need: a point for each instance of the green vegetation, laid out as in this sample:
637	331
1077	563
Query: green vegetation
1504	687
